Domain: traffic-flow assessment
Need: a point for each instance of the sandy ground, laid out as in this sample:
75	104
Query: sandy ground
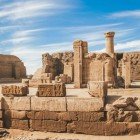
26	135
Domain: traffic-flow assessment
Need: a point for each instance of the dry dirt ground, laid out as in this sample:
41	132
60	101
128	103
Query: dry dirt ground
26	135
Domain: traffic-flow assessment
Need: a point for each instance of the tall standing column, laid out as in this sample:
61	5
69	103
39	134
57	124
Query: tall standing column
80	48
109	36
110	43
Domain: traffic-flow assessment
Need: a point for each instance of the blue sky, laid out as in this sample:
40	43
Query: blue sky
29	28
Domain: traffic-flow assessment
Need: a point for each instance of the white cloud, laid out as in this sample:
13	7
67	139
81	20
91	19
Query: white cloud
128	45
22	36
3	29
25	33
32	56
28	9
133	13
15	41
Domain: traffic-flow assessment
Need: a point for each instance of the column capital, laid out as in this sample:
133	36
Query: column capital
109	34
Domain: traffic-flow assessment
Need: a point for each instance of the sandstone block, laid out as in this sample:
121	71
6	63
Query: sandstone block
91	116
85	104
16	103
42	115
15	90
97	88
48	104
67	116
19	124
116	129
14	114
101	128
94	128
48	125
51	90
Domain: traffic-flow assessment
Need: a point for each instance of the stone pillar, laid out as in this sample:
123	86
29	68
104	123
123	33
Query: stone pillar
80	48
126	73
110	43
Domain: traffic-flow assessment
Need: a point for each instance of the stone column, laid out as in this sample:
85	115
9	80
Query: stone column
110	43
126	73
80	48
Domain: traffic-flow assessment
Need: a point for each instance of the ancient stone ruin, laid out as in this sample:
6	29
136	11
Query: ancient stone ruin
81	66
76	92
12	69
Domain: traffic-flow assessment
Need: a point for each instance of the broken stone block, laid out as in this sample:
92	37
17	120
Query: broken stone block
14	90
48	104
97	88
51	90
127	103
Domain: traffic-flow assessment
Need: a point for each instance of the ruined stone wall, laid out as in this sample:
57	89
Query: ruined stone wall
98	67
134	59
11	67
69	114
57	63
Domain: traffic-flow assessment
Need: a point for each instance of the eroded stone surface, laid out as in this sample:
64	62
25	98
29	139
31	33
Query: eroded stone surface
128	103
51	90
97	88
16	103
48	104
85	104
15	90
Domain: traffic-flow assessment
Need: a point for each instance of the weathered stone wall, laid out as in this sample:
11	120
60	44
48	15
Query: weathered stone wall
134	59
11	67
98	67
68	114
57	63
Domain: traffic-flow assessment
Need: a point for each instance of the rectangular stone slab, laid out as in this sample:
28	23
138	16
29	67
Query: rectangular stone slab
51	90
15	90
48	103
97	88
16	103
85	104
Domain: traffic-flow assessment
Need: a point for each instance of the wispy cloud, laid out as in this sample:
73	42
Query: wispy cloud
135	45
24	33
126	46
28	9
133	13
31	56
22	36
